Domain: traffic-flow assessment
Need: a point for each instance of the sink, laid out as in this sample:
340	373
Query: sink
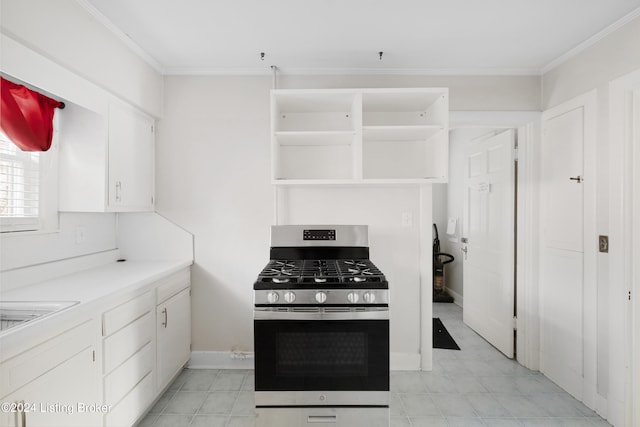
16	313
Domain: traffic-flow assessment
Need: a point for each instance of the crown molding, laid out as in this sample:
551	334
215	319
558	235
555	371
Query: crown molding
204	71
122	36
591	41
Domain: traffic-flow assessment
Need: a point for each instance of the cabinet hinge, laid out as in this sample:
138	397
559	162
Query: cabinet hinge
515	323
151	128
515	153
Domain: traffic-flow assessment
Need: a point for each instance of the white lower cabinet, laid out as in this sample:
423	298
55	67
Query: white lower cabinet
173	328
57	383
107	372
146	342
128	359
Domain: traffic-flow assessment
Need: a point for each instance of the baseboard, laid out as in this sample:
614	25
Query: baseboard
615	412
244	360
405	361
457	298
221	360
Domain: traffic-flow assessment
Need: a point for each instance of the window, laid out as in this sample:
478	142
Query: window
19	185
28	187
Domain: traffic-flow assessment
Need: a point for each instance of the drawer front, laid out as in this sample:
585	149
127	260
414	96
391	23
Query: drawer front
129	409
173	284
24	368
127	341
120	316
125	377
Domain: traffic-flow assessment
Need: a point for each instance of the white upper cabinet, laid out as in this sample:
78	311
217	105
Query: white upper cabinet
131	159
106	159
359	136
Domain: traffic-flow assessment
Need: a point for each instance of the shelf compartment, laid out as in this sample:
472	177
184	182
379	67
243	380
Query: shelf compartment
414	160
405	107
312	162
399	133
315	111
313	138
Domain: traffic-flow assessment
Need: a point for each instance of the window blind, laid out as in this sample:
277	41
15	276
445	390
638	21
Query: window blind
19	184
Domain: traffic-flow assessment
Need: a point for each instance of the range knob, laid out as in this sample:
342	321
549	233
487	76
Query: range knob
289	297
369	297
273	297
353	297
321	297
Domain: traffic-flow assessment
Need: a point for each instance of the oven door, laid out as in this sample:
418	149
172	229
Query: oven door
301	357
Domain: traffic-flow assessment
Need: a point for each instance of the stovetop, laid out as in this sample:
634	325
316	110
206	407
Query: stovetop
321	273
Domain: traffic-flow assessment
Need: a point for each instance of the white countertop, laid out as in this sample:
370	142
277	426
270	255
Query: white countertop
94	289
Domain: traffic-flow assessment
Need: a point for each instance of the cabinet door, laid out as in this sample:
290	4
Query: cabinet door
131	159
174	335
65	396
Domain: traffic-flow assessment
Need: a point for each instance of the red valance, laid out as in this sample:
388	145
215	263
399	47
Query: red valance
26	117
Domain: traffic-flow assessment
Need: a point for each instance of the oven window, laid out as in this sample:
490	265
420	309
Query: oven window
321	355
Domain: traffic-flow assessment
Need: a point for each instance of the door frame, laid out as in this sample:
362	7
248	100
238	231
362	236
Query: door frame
527	235
624	229
588	103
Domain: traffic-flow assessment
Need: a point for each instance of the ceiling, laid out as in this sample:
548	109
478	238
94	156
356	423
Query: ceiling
346	36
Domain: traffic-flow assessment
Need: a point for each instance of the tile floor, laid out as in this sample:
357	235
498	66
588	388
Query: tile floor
475	386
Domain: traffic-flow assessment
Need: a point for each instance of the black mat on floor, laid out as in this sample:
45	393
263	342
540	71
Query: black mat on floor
441	337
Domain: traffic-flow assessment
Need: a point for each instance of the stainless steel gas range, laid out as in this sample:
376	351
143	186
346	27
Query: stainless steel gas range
321	330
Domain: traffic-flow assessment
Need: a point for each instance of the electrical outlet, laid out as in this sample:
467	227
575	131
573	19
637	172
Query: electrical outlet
603	243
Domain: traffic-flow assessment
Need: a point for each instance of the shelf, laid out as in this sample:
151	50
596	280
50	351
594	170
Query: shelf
359	136
314	138
399	133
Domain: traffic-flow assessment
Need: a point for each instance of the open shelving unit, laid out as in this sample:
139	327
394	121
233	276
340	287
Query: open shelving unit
359	136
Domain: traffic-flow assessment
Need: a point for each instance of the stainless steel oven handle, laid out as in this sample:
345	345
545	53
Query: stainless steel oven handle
382	314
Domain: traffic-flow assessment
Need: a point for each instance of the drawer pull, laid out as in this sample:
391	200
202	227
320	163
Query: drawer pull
312	419
166	318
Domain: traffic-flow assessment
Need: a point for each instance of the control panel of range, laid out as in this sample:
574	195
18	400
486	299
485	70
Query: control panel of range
319	235
322	297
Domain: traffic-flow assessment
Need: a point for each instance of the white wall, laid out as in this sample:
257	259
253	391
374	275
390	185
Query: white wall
212	159
213	178
613	56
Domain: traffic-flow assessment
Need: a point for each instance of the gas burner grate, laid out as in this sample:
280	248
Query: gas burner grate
320	273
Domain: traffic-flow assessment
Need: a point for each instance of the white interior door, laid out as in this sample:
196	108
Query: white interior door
562	255
488	263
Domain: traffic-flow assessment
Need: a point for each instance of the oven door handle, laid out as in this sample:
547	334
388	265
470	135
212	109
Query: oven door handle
369	314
